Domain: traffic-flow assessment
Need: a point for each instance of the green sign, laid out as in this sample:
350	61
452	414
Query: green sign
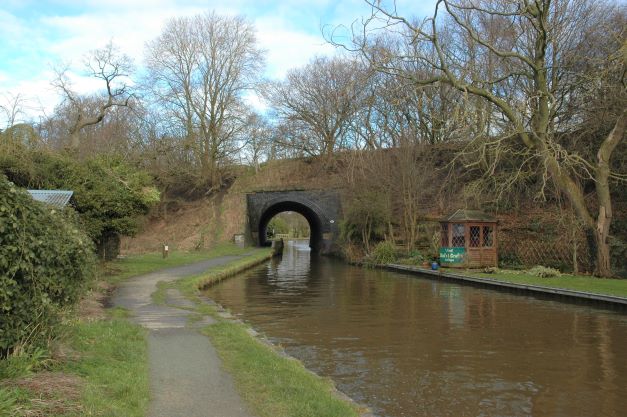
452	255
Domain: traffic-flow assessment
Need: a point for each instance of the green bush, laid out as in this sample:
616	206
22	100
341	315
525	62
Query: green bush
110	195
45	262
544	272
383	253
413	258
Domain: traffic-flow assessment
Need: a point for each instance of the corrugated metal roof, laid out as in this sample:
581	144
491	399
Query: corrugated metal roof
462	215
56	198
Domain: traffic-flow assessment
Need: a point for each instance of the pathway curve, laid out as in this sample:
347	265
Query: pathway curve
186	377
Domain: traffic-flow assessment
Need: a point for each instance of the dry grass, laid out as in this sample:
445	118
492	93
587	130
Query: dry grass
92	306
182	228
51	394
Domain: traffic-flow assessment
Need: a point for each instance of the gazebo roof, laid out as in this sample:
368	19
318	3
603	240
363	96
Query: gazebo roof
56	198
463	215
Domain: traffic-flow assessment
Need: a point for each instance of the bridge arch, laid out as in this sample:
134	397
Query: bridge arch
313	218
321	209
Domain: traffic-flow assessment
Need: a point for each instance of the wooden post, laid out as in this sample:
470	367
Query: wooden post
166	249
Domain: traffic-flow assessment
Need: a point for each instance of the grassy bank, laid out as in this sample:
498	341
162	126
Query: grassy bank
96	368
219	273
605	286
114	365
274	386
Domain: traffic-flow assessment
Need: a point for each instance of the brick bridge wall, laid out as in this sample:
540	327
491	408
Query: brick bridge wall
321	208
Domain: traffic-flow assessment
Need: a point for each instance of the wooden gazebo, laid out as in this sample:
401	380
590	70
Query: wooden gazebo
468	240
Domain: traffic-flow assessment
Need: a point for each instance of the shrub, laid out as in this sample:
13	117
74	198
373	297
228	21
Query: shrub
544	272
383	253
414	258
45	262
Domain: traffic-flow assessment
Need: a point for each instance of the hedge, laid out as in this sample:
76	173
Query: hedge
45	262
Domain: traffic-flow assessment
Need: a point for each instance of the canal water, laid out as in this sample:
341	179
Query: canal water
409	346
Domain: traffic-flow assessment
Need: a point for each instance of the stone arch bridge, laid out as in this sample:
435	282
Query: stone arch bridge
321	208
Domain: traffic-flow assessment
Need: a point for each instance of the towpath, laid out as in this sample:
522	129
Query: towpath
186	377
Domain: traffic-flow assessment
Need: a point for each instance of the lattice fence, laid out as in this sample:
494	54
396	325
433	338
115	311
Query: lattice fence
567	255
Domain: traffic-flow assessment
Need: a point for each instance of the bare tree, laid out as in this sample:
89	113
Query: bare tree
529	49
198	70
17	131
318	101
397	112
113	68
258	139
12	108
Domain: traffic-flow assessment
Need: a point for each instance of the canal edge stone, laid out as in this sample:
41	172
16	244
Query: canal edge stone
551	291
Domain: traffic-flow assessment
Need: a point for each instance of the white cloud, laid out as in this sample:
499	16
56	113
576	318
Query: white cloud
288	49
36	97
288	30
256	102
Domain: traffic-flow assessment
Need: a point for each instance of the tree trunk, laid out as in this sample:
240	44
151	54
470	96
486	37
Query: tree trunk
604	197
602	233
74	140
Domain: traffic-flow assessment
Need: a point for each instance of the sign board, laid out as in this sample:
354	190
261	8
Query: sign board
452	255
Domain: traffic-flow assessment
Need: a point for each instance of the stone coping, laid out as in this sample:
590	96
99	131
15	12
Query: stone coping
582	295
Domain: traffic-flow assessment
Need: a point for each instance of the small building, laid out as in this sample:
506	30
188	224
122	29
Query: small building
468	240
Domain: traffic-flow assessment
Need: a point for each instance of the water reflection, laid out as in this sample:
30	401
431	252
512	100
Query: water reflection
290	273
414	347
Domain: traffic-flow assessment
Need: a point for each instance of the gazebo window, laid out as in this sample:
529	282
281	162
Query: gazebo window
475	236
459	240
444	235
487	236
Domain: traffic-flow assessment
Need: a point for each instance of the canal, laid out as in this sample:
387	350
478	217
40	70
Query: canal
410	346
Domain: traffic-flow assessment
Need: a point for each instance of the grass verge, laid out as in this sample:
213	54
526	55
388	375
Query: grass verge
113	363
99	368
199	282
274	386
133	265
605	286
190	286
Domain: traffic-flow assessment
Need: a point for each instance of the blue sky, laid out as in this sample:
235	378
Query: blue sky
39	35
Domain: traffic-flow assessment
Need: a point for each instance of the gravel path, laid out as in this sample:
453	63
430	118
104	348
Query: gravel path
186	376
